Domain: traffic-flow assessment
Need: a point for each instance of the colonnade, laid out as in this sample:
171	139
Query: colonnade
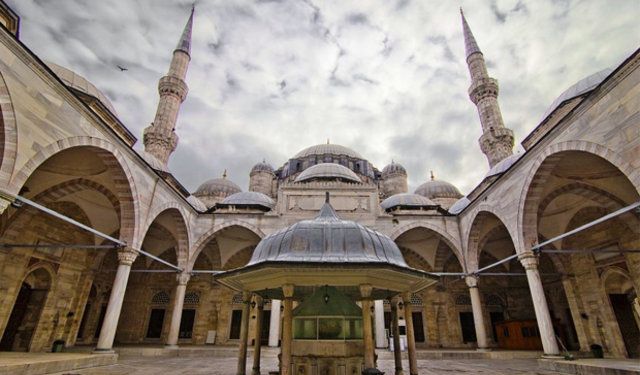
127	256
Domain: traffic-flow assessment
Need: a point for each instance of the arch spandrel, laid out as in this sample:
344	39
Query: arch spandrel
8	134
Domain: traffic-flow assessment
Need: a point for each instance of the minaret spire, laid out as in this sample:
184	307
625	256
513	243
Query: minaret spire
160	138
496	141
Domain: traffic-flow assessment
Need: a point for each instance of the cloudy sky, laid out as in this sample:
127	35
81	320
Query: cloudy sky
386	78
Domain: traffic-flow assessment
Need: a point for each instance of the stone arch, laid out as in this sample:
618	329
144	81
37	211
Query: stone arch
209	235
181	227
453	244
115	162
611	272
47	267
8	134
54	193
476	239
532	190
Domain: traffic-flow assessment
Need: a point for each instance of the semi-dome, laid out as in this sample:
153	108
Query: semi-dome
503	165
78	82
328	239
582	86
438	189
328	171
459	205
327	148
248	199
263	166
393	168
408	200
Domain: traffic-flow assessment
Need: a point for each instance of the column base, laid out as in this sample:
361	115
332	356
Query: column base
171	346
483	350
552	356
103	351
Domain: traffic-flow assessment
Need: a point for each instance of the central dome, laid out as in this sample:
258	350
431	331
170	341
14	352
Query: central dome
327	148
329	239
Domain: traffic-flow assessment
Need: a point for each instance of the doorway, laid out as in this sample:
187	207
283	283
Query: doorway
468	327
156	321
186	323
624	316
418	326
266	323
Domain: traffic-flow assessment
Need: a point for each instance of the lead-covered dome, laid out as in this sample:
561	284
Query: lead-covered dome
407	200
392	169
582	86
263	166
328	148
327	239
326	171
215	190
249	199
78	82
435	189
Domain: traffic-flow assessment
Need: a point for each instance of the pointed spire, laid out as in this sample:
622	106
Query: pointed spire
470	44
184	44
224	174
327	140
327	212
432	176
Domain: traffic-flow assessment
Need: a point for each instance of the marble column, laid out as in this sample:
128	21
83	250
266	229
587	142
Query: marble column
287	330
257	345
397	353
381	339
244	334
411	337
369	350
176	314
274	324
545	326
478	316
126	257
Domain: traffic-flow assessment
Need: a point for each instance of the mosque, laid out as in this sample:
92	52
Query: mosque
102	246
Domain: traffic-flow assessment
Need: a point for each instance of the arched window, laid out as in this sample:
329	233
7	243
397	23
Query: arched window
160	298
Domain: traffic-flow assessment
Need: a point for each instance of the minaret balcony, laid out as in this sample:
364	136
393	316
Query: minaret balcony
483	88
173	86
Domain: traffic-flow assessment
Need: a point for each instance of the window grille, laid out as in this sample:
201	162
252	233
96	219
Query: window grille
462	299
192	298
160	298
237	298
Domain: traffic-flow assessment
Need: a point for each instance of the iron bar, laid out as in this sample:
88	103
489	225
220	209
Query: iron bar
211	272
55	246
507	259
60	216
147	271
588	225
573	251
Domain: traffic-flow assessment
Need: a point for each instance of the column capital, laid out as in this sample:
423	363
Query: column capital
246	297
365	291
287	290
406	297
127	255
259	302
472	281
529	260
183	278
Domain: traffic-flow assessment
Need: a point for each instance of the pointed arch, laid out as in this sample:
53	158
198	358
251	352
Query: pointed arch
181	227
8	134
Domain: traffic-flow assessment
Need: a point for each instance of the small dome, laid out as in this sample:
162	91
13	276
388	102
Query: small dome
328	171
154	162
328	239
393	168
327	148
249	198
438	189
262	167
217	187
78	82
406	200
582	86
460	205
503	165
196	203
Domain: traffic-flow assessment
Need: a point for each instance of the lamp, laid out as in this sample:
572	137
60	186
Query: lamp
326	294
253	304
372	309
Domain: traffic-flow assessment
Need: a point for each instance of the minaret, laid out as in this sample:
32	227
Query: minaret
160	139
496	141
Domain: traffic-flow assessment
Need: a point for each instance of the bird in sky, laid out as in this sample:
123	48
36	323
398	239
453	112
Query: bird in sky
122	68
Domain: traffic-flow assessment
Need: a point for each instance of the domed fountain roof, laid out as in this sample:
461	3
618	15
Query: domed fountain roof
328	239
406	200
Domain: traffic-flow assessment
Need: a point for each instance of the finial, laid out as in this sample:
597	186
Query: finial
326	197
432	176
224	174
184	44
470	44
327	140
392	162
264	161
